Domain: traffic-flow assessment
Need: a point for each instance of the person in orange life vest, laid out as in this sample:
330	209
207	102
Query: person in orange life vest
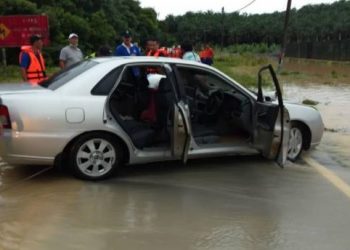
176	52
207	55
149	46
24	48
155	50
32	62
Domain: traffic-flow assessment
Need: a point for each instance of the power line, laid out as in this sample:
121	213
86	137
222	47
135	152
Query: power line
245	6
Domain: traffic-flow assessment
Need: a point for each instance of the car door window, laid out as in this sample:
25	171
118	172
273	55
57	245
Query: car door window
104	86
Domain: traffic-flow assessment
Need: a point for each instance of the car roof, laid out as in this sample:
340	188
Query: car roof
144	59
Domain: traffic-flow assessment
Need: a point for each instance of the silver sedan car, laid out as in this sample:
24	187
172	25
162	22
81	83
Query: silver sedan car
103	113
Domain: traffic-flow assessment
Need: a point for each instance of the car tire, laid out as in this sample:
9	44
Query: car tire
96	156
296	142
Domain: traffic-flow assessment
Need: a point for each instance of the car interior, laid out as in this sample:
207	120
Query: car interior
142	110
220	114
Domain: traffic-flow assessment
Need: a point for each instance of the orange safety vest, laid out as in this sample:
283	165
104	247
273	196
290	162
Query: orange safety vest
176	53
24	49
207	53
159	52
36	70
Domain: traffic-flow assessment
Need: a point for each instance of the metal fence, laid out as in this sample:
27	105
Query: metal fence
327	50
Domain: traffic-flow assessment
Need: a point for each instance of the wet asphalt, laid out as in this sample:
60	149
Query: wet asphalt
220	203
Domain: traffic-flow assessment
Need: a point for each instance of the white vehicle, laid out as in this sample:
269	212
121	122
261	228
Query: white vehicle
105	112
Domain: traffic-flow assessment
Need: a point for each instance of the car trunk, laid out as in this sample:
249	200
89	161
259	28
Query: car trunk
15	88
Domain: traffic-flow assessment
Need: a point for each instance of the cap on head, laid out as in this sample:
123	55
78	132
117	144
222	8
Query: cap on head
126	34
35	38
71	35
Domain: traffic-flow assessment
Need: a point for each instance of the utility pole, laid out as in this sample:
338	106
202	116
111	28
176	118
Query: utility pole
284	39
3	52
222	27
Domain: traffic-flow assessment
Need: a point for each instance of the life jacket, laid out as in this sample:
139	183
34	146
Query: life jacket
36	70
176	53
152	70
24	49
163	51
206	53
159	52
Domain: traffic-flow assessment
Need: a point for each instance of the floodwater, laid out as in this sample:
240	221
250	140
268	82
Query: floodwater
231	203
227	203
333	104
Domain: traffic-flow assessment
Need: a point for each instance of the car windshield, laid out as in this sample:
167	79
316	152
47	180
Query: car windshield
63	76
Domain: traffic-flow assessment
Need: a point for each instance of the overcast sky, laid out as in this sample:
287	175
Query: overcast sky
179	7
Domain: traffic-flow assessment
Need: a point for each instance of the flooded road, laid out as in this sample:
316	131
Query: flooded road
333	104
231	203
227	203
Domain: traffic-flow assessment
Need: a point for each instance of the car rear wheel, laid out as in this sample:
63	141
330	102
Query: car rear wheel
296	140
95	156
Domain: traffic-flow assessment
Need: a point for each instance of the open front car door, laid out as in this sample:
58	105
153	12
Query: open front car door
271	121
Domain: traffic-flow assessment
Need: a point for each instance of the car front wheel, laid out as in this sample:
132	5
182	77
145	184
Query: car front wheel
95	156
296	141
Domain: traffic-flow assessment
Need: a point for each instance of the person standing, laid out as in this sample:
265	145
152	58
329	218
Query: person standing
71	53
32	62
156	51
188	53
207	55
149	46
127	48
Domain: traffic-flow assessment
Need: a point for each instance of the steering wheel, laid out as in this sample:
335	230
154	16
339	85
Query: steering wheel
214	102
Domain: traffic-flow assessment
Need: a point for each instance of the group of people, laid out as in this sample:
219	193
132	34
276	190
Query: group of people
33	67
32	63
153	48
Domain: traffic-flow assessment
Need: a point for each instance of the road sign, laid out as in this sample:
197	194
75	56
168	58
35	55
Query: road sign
15	31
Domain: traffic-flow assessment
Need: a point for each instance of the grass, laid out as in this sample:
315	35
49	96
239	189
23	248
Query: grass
12	74
243	67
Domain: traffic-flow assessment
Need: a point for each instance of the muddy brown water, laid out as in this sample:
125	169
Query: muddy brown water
334	106
230	203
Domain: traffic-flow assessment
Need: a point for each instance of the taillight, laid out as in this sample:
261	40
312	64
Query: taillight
5	117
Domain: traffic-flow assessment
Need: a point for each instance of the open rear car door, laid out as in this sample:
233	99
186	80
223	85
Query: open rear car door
181	132
271	122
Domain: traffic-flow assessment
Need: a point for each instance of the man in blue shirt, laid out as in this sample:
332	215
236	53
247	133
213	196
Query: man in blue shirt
127	48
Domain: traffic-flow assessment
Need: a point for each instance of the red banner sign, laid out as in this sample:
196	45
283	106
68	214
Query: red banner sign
15	31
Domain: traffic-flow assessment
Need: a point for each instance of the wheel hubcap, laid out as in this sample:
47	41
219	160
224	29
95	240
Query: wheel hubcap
295	143
96	157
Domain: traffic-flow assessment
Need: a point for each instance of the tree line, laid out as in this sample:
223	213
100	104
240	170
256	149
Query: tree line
101	22
319	22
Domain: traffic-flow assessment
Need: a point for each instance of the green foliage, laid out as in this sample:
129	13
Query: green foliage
334	74
96	22
101	32
247	80
101	22
261	48
237	59
311	23
10	74
14	7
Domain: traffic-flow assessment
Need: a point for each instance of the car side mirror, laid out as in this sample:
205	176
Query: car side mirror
270	96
